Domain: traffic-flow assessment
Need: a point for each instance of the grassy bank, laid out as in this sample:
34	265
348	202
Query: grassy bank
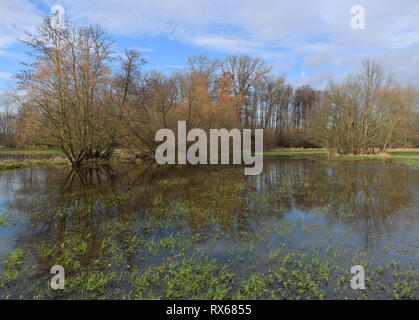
297	152
21	164
45	158
406	157
31	151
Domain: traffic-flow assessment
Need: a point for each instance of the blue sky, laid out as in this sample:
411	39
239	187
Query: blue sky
310	41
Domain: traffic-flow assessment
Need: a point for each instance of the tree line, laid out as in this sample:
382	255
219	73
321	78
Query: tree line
76	95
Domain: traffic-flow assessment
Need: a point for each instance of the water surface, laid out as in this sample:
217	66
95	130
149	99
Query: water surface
141	231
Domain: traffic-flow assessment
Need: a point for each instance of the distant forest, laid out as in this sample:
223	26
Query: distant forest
76	96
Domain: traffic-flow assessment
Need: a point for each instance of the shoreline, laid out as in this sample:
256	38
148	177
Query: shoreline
405	157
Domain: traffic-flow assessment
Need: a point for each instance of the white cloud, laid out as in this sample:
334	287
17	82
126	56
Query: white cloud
320	80
142	49
316	34
5	75
15	17
226	45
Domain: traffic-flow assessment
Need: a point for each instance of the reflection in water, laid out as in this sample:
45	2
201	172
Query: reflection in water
367	199
369	206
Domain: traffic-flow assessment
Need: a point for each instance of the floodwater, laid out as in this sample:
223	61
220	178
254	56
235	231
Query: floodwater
140	231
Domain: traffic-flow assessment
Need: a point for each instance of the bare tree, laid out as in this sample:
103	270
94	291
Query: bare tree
246	72
70	86
363	113
6	119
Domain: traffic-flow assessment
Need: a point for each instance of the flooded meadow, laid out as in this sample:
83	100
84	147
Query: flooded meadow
139	231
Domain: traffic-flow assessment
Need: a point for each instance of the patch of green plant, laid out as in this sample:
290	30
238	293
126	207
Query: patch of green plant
10	267
185	279
7	165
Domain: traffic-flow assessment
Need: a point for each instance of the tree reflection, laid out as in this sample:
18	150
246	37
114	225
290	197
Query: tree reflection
367	199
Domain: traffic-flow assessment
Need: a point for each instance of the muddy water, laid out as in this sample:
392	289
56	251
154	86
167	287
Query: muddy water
292	232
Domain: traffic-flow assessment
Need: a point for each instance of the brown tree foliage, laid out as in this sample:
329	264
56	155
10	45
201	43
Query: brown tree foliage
71	92
75	96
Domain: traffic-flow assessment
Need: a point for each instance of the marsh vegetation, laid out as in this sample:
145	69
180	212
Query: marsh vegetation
209	232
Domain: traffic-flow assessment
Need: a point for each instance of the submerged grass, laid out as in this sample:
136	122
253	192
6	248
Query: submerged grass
139	258
10	267
222	237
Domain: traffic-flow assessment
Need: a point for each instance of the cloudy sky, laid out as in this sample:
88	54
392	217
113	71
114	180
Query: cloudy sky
311	41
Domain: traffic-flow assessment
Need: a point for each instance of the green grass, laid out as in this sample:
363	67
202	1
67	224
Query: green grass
10	218
10	267
406	158
168	253
31	151
302	152
185	279
21	164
